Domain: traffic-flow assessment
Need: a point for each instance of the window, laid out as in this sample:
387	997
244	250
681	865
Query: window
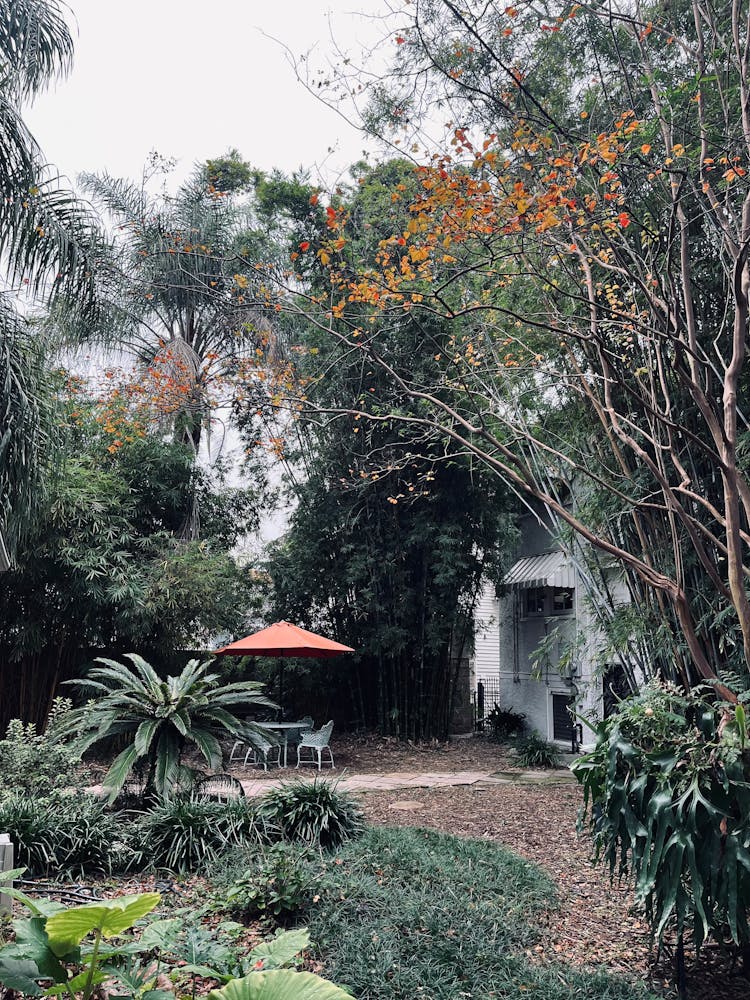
562	721
533	601
562	600
537	601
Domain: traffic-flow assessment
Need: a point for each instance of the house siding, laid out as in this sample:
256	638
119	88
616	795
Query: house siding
487	635
506	646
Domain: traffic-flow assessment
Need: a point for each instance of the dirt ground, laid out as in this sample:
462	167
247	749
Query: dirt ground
370	754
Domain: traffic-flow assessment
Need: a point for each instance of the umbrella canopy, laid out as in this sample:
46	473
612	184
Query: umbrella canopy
284	639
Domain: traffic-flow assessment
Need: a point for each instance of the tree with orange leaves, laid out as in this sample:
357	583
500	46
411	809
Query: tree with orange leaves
586	229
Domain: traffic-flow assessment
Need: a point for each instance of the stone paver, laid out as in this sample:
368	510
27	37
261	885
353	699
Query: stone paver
403	779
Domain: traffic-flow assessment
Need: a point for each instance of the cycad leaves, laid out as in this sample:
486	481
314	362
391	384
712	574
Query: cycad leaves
161	714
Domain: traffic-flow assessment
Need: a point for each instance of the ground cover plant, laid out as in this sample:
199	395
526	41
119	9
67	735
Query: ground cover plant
315	812
533	751
401	914
187	833
67	837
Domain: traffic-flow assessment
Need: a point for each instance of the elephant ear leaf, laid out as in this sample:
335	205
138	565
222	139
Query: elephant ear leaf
67	929
20	974
280	984
280	950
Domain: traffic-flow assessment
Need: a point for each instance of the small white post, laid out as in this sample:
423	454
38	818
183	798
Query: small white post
6	865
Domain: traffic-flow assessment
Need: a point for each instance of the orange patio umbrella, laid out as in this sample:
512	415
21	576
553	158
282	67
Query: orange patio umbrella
284	639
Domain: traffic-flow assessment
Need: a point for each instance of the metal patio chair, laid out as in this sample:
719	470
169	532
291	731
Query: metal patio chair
306	725
262	751
316	742
219	788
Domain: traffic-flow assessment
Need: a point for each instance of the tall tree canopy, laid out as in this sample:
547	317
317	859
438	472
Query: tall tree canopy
389	539
585	231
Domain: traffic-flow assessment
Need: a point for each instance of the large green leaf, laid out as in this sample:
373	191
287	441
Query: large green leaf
20	974
119	770
280	984
281	950
67	929
144	735
32	941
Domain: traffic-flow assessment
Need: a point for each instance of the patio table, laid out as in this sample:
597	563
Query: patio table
284	728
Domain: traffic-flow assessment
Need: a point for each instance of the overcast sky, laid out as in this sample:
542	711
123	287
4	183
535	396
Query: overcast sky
192	78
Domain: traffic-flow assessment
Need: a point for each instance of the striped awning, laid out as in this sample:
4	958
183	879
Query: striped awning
551	569
4	556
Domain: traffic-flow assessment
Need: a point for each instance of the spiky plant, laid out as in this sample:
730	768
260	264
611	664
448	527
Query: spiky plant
162	716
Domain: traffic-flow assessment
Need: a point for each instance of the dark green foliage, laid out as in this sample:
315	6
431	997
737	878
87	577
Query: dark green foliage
186	834
533	751
158	718
667	798
410	913
274	886
504	722
67	836
105	568
315	812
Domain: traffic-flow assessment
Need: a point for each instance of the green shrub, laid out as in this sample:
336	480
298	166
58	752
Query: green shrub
39	765
160	718
188	833
274	886
504	723
68	836
533	751
314	812
667	795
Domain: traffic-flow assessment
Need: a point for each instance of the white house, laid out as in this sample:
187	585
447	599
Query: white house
538	645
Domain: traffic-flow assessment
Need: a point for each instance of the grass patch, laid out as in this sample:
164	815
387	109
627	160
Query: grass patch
405	914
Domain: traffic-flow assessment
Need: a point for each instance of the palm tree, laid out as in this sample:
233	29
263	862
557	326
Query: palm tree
161	717
188	288
48	244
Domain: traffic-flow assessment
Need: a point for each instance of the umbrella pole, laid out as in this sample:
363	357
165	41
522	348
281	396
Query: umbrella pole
281	687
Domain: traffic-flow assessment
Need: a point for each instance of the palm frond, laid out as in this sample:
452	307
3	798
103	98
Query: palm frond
167	762
35	44
121	767
144	736
121	198
208	745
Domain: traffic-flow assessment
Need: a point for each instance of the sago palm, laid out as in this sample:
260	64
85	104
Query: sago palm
161	716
